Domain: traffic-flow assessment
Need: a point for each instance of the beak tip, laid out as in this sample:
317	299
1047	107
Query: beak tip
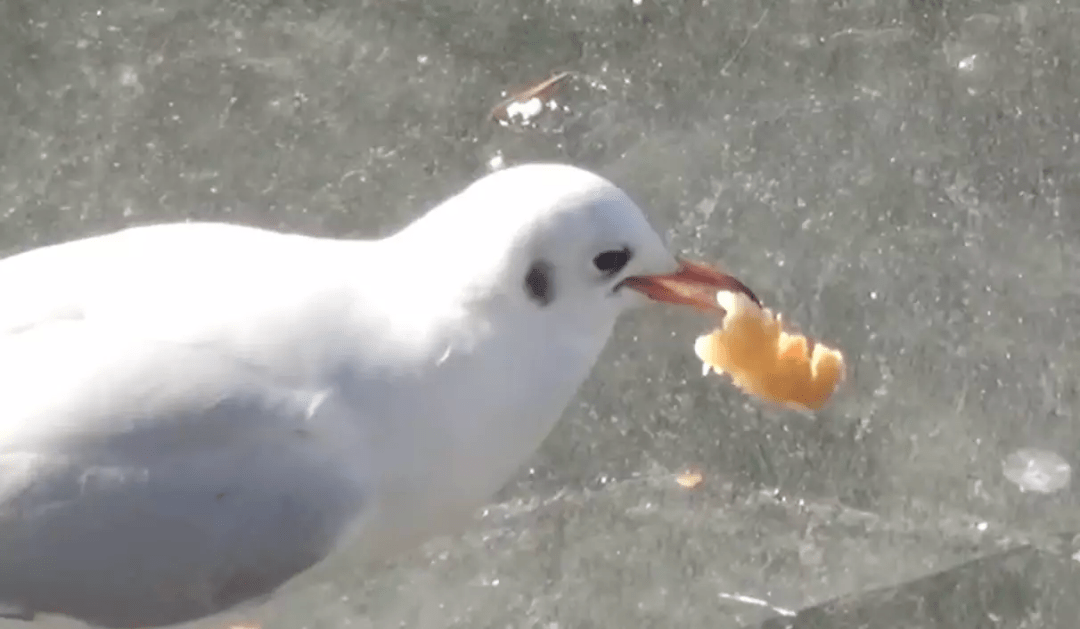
692	284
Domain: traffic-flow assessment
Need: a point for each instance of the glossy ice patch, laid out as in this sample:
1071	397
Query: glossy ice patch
1037	470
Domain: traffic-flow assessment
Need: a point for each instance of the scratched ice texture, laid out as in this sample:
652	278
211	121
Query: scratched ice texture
899	178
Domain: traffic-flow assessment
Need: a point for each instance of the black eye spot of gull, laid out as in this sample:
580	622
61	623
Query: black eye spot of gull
538	283
611	262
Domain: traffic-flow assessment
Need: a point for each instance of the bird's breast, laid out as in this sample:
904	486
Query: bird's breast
460	428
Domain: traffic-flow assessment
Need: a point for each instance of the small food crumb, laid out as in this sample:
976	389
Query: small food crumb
765	361
689	480
529	102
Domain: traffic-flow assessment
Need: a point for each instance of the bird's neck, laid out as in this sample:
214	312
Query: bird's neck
492	392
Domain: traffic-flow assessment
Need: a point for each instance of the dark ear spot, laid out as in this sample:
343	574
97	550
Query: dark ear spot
538	284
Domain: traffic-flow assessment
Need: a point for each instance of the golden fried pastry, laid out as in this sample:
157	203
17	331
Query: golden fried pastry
765	361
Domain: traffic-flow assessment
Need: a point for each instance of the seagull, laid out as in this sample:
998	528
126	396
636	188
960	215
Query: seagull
194	414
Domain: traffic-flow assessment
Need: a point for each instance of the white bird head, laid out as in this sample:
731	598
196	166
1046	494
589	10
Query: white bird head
553	242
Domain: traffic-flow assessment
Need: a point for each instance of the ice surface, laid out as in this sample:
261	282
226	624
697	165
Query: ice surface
902	178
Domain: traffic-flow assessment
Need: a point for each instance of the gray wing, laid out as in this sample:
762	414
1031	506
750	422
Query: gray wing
145	483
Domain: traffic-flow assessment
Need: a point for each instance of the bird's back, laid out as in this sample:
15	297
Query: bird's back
171	443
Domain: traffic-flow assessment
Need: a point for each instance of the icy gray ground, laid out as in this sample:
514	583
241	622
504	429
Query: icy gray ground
899	178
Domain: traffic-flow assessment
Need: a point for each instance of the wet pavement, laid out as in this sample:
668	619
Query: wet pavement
898	178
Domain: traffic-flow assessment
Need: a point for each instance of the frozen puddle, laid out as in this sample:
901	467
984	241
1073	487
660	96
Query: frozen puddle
1036	470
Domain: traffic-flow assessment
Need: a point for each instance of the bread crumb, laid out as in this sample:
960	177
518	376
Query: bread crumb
763	360
689	480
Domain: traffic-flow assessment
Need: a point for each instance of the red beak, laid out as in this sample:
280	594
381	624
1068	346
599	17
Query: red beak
694	284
